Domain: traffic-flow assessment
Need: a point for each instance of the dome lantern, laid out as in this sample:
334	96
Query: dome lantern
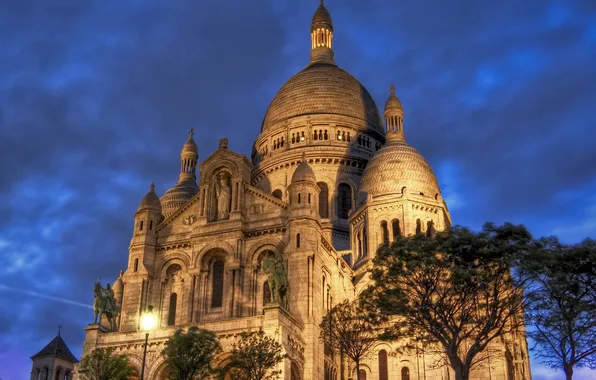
394	117
186	188
321	34
188	158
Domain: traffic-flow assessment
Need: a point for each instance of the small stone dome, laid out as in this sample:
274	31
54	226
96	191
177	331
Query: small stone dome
178	195
118	286
150	201
321	19
190	145
304	173
396	166
393	102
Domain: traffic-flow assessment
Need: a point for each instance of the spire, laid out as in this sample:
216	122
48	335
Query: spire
188	158
321	35
394	116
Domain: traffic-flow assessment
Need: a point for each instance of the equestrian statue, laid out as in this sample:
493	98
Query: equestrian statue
105	304
278	280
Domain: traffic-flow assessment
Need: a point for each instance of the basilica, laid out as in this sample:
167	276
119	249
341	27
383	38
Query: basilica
329	180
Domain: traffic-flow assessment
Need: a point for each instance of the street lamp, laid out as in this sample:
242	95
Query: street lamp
148	323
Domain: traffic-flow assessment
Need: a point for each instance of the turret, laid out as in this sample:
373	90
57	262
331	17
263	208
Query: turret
147	217
304	192
141	260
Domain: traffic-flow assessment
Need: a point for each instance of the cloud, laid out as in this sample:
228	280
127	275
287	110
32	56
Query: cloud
96	99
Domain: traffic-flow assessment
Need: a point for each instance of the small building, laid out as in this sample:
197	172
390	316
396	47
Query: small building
53	362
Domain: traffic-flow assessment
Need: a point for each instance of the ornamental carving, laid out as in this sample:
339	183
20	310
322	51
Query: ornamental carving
256	209
189	220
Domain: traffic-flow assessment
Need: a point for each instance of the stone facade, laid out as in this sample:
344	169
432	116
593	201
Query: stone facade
325	187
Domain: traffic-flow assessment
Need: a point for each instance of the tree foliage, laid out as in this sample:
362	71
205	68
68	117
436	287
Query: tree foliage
255	356
189	355
455	290
563	308
103	364
350	328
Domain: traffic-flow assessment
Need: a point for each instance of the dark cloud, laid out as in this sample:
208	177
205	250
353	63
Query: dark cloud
96	99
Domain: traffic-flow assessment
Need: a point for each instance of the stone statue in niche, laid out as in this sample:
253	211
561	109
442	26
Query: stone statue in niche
224	194
223	143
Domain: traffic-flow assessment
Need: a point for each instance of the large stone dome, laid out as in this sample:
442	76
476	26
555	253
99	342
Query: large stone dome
322	88
397	166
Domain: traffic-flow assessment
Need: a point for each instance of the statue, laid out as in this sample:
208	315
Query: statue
223	143
104	303
223	198
278	280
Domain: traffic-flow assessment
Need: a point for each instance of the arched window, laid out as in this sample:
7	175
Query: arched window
299	197
141	226
136	267
430	228
323	200
364	242
359	245
344	200
396	229
385	232
266	293
383	369
218	282
150	225
362	374
308	198
418	226
405	373
172	309
297	240
277	193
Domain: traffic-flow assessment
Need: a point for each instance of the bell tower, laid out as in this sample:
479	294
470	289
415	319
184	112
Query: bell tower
54	361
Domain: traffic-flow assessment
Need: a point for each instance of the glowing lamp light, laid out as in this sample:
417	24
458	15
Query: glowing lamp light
301	138
148	320
339	137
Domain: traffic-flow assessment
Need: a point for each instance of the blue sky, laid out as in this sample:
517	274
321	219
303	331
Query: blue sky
97	97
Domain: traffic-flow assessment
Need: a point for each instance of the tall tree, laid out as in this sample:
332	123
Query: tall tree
255	356
352	329
563	308
103	364
189	355
454	290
